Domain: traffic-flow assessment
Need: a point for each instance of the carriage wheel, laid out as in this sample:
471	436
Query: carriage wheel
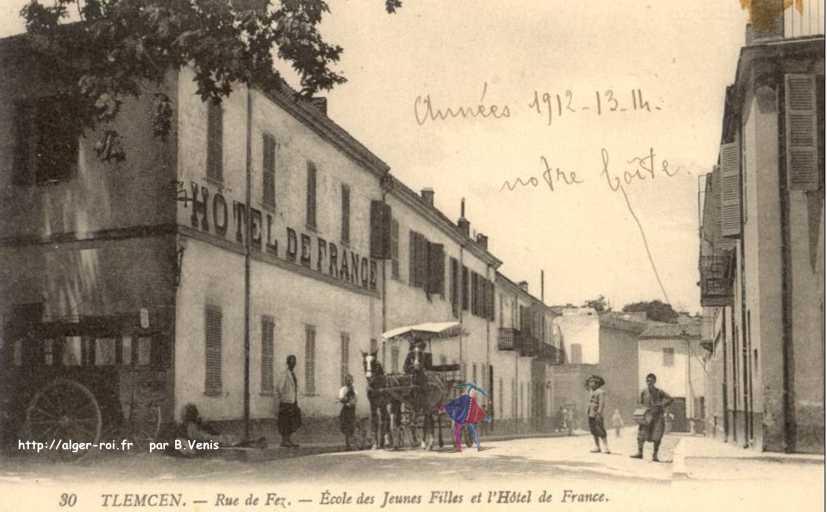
63	411
145	426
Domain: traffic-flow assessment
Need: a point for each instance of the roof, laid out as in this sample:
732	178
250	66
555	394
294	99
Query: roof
516	288
661	330
411	198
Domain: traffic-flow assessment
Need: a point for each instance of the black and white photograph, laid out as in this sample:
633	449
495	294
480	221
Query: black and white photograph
330	255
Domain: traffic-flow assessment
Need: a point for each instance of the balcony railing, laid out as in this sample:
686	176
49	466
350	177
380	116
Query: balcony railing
528	345
508	339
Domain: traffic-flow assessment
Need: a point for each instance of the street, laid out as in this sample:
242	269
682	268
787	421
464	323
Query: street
504	473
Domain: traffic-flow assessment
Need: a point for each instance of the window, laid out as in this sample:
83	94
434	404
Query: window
104	351
576	353
212	380
474	373
215	141
268	172
395	359
668	356
309	360
500	392
395	249
267	339
345	354
126	353
72	351
145	352
311	195
345	214
443	359
46	146
455	300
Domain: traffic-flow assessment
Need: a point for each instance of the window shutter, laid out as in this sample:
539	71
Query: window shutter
394	249
412	258
455	287
267	328
345	214
380	230
268	170
345	352
311	194
436	268
474	295
212	383
802	132
215	141
23	173
730	191
310	360
464	285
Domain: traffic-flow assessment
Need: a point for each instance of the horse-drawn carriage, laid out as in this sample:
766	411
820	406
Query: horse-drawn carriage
84	385
403	403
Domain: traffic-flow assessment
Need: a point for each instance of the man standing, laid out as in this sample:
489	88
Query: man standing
652	425
287	397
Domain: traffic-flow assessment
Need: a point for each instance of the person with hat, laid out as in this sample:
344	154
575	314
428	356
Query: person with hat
597	404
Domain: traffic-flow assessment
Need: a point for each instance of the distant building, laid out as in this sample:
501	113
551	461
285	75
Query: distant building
762	246
674	354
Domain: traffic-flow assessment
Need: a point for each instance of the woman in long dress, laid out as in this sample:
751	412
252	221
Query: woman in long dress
347	416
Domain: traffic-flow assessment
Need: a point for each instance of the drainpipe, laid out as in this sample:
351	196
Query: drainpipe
724	389
247	249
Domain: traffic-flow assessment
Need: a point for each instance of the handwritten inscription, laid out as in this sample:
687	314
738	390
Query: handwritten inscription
642	168
549	106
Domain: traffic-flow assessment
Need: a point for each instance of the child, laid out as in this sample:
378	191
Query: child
597	404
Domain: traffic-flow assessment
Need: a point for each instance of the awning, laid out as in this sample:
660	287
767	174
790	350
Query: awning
424	331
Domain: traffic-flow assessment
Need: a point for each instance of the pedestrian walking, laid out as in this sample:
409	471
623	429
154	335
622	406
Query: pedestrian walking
347	416
617	422
287	398
651	417
597	405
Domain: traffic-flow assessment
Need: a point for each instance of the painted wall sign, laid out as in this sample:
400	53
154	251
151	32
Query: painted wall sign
211	213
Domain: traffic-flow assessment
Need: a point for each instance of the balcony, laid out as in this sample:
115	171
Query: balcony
508	339
716	289
549	353
528	345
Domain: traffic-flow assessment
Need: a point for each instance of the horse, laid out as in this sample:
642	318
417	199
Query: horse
384	408
427	396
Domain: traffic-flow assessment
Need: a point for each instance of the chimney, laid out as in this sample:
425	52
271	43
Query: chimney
320	103
482	241
428	196
766	21
463	223
542	286
523	286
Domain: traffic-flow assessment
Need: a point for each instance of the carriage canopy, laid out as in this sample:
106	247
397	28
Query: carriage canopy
425	332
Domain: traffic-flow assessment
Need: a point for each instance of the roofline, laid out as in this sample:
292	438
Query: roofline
519	290
406	195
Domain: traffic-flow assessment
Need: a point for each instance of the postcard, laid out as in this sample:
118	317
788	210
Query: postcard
312	255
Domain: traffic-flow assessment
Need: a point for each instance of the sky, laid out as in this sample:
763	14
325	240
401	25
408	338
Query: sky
585	236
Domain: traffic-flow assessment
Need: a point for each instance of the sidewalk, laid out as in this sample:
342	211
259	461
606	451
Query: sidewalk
707	458
324	444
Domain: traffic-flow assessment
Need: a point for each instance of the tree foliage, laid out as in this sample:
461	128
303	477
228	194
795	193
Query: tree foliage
654	309
117	46
599	304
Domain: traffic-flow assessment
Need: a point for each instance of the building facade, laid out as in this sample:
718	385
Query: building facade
762	247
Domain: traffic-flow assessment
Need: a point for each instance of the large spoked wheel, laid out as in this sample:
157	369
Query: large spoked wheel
64	411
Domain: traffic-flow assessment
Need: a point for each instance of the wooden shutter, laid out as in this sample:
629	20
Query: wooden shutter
464	286
412	247
215	141
455	287
730	191
802	132
310	360
267	328
345	356
213	329
436	268
345	214
311	195
268	170
475	300
380	230
23	173
394	248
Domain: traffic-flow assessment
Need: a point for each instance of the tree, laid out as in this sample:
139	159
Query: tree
600	304
655	310
118	46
